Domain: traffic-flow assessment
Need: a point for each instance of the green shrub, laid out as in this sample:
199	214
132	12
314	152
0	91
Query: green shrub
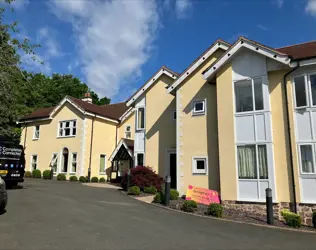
174	194
61	177
102	179
73	178
37	173
28	174
314	219
291	219
215	209
134	190
83	179
189	206
46	174
150	190
157	198
94	179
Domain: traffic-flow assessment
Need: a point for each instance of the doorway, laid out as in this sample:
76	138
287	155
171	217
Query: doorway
65	160
172	168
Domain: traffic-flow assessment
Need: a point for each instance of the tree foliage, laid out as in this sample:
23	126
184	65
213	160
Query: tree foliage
20	91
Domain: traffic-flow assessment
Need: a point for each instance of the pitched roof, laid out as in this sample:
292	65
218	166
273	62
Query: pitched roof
111	111
300	51
38	114
150	81
219	43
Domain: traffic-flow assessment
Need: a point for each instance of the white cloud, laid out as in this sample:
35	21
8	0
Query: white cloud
113	39
17	4
46	38
182	8
279	3
311	7
36	64
260	26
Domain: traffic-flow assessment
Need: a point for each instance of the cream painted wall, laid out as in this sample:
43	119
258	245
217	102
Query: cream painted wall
121	129
197	134
160	127
48	143
226	134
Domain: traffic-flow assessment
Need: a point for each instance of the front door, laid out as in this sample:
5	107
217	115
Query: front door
173	169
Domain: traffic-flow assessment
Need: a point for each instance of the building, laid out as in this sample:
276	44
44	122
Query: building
75	135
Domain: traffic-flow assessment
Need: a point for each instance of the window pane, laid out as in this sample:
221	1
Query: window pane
74	130
247	162
200	164
140	159
34	159
141	118
128	128
67	131
74	157
307	159
258	94
313	88
61	125
67	124
243	96
175	115
74	167
61	132
102	163
199	106
74	123
300	91
262	161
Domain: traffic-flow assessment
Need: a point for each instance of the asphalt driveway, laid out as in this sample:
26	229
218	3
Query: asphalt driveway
63	215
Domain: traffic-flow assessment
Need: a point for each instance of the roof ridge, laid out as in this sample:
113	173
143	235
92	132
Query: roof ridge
313	41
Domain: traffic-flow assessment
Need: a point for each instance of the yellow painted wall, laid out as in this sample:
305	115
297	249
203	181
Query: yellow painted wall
226	134
160	128
121	128
48	142
198	134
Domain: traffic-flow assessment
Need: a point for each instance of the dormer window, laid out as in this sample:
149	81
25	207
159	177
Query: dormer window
67	128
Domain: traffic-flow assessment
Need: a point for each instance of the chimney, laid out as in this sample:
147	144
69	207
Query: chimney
87	97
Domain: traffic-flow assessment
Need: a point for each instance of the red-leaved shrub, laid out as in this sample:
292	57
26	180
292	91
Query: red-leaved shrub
143	177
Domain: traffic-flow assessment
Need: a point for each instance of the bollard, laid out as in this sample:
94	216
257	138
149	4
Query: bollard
89	174
51	173
269	206
167	190
128	181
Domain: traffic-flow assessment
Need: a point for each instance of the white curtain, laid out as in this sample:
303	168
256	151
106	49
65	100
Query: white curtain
262	160
247	162
307	159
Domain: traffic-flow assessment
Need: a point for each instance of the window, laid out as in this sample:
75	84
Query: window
140	159
36	132
53	162
34	162
65	155
174	115
102	164
140	118
248	167
199	107
199	165
307	160
67	128
128	132
249	95
300	91
74	163
312	79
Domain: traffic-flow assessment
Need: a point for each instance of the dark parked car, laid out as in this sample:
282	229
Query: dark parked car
3	195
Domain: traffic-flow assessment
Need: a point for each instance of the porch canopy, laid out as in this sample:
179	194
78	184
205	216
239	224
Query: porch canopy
122	158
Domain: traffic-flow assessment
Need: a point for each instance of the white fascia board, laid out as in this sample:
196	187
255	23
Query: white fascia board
254	47
127	114
62	103
148	84
196	65
100	117
306	62
34	120
118	148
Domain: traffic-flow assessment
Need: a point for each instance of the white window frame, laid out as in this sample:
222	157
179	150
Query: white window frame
31	165
71	127
202	112
130	131
300	157
265	104
137	128
196	171
104	169
72	161
34	132
173	115
307	88
51	162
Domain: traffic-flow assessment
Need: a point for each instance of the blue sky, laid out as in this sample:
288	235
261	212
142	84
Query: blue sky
115	46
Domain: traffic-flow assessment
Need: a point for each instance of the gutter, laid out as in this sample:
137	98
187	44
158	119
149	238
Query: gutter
289	134
91	143
25	137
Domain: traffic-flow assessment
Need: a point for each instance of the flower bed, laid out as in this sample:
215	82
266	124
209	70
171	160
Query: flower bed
233	214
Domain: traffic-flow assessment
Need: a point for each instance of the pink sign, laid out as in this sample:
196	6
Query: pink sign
202	195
